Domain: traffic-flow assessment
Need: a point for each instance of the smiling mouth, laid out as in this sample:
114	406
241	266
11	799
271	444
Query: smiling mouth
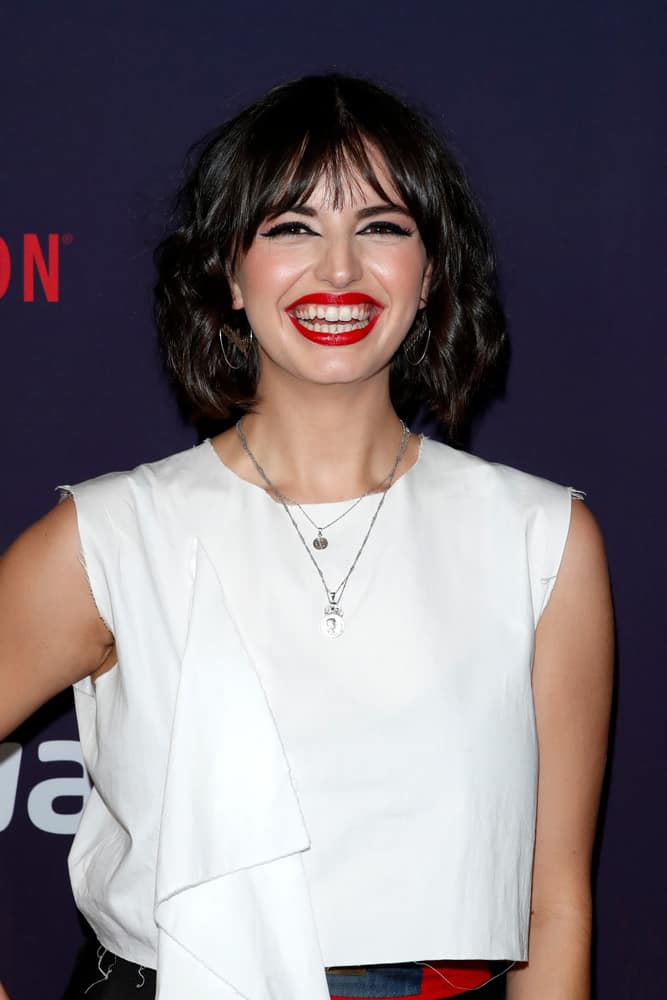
320	318
330	315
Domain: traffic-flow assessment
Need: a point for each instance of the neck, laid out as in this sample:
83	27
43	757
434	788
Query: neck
324	443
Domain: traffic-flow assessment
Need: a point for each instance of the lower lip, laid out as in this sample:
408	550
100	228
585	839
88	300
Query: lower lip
335	339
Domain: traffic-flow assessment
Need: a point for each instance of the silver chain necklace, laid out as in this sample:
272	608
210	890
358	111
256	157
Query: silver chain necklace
332	623
321	541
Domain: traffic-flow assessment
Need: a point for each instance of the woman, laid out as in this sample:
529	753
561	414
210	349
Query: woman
314	657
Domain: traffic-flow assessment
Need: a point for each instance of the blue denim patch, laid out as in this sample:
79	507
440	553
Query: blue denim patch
377	981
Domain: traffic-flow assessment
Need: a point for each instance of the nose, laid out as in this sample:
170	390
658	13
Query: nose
338	263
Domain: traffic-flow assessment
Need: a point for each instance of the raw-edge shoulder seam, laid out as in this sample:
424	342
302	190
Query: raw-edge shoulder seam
66	491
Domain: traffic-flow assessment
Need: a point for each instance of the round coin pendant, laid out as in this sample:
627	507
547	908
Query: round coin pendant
320	542
332	623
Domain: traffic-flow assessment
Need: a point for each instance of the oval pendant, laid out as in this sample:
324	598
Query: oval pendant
320	542
332	623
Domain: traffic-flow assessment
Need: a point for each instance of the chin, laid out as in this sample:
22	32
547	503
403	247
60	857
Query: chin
333	378
333	366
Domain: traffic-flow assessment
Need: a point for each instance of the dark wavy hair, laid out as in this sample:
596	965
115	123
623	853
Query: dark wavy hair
269	159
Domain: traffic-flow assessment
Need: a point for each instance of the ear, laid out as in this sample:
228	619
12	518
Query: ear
237	295
426	285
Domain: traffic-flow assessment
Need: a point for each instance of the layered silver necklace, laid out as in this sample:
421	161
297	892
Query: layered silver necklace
332	623
321	541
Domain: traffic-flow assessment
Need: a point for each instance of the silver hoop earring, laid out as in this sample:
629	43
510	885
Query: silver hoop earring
224	353
423	325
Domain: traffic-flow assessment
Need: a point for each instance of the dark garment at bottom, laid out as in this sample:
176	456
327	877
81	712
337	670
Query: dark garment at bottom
100	975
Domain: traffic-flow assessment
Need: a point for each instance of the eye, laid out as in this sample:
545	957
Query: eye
288	229
387	229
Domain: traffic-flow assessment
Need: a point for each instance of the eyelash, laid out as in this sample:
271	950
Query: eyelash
300	229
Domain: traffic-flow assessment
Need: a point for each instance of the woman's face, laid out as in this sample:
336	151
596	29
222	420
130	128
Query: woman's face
331	293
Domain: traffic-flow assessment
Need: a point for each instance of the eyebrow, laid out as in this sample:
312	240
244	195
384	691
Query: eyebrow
364	213
387	206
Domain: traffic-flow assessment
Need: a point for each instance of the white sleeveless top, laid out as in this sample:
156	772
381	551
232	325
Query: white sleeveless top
268	800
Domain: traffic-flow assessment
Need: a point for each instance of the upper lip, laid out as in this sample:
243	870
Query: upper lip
333	299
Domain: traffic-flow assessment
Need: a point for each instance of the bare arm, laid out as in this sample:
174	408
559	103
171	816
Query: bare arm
572	686
50	631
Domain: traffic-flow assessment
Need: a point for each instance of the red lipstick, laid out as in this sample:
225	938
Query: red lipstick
342	339
333	299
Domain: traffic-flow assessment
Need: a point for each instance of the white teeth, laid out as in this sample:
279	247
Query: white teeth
328	327
334	314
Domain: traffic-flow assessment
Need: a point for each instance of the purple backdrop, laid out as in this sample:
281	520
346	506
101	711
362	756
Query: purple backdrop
556	112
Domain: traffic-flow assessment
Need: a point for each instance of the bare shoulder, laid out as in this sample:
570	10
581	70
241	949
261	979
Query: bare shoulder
46	548
585	544
57	528
50	631
582	584
576	628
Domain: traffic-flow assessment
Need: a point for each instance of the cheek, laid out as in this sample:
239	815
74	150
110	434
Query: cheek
268	271
402	275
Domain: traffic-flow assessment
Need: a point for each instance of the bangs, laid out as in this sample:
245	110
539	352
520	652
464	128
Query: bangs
342	166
